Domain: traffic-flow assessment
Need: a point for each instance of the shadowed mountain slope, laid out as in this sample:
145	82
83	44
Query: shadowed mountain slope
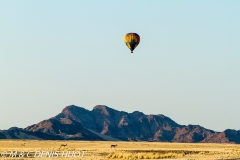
105	123
64	128
119	124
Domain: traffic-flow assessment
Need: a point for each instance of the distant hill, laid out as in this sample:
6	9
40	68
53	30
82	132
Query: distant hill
105	123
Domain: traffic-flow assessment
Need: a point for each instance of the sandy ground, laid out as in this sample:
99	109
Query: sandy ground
101	150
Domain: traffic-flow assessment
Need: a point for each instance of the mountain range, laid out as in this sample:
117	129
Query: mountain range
105	123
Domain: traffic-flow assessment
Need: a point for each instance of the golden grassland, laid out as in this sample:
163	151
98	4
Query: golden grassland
101	150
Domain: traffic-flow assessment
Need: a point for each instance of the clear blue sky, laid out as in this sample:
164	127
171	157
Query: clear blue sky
57	53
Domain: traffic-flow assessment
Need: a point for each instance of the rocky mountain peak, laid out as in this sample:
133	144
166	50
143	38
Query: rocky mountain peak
79	123
103	109
73	108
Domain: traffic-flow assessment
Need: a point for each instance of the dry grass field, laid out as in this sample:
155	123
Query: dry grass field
101	150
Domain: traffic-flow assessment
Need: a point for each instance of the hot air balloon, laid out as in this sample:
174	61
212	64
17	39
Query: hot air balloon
132	40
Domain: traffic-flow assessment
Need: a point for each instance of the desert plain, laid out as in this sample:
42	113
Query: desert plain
103	150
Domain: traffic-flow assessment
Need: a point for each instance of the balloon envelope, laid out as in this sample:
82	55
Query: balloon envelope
132	40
